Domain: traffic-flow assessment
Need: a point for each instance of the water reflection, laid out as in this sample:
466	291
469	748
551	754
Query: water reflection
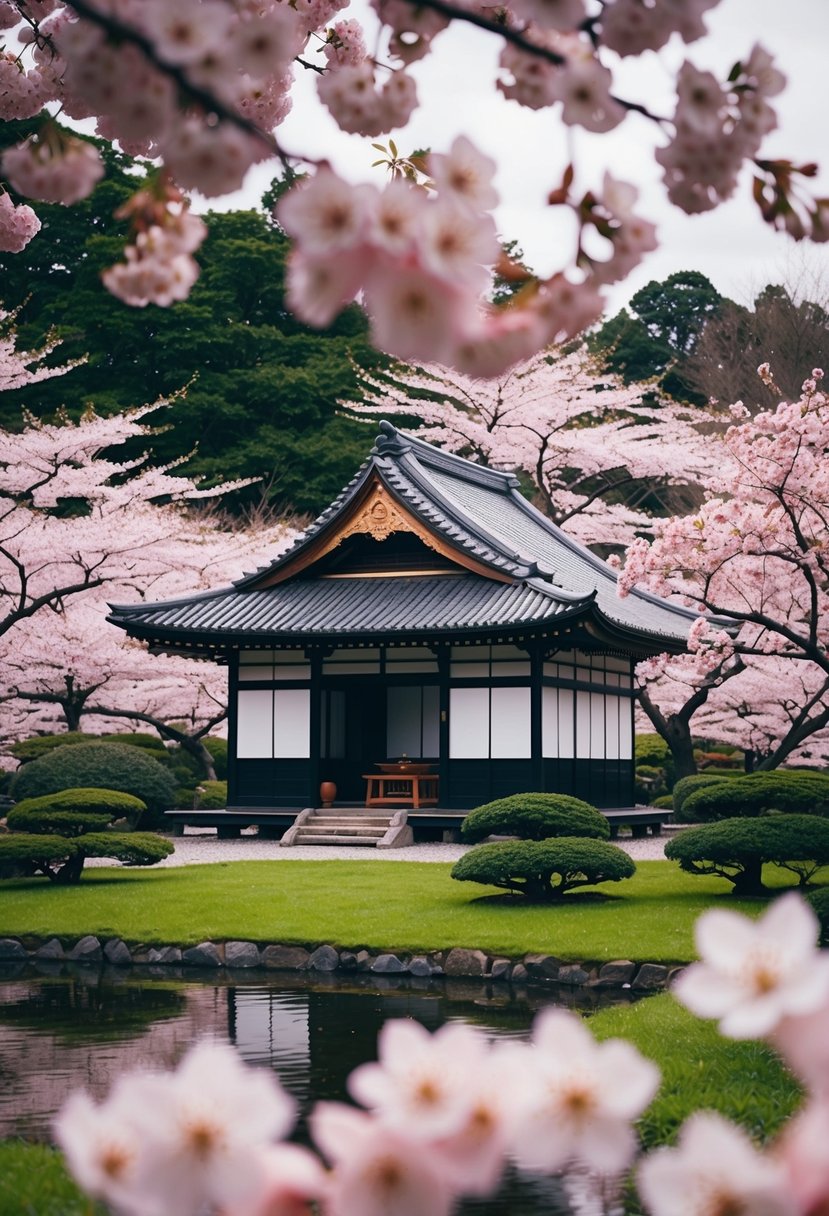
80	1027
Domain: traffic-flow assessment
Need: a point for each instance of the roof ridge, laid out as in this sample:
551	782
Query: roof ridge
396	443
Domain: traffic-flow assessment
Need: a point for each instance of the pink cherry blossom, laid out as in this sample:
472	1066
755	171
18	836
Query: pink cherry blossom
714	1168
579	1097
754	973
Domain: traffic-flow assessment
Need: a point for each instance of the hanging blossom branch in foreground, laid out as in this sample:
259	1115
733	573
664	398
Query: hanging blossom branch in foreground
200	86
441	1114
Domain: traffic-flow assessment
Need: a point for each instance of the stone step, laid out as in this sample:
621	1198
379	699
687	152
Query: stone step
318	829
366	842
378	820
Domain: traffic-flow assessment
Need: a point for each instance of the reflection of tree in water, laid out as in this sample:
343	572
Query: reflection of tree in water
73	1009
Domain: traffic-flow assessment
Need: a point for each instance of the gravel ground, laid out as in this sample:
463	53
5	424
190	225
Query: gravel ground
198	847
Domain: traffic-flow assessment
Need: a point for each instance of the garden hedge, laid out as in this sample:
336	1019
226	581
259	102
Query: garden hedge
759	794
534	817
87	808
544	869
820	905
737	849
100	765
689	785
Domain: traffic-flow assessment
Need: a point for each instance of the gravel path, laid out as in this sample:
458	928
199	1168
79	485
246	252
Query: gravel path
199	847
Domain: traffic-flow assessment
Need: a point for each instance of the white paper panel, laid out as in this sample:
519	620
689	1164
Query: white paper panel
259	671
403	721
566	724
583	725
511	738
499	670
468	723
625	730
254	724
292	723
350	669
466	671
597	725
423	666
612	726
292	671
549	722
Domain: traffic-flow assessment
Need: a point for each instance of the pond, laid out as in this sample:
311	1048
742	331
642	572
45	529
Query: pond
63	1027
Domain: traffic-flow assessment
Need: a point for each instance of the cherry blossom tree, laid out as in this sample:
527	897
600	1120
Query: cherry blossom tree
757	553
591	447
201	87
19	367
87	671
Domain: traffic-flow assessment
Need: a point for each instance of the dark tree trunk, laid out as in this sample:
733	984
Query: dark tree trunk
70	871
750	882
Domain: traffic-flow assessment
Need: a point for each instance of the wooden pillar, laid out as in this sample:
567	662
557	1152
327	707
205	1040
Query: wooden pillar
232	727
315	725
443	655
536	653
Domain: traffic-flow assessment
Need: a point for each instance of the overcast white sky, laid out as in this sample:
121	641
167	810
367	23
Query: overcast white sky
731	245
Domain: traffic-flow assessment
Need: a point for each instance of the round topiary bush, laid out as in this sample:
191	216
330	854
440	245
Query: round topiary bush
652	749
759	794
40	745
664	802
737	849
23	854
544	869
534	817
113	766
687	786
71	812
820	905
211	795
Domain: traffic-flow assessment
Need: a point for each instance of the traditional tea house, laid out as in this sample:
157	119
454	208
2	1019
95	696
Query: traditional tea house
430	615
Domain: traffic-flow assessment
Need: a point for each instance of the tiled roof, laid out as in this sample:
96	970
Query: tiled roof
477	511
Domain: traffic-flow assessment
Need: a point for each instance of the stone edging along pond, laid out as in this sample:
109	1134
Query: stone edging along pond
459	962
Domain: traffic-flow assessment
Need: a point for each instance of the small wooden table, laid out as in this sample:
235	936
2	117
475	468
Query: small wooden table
401	789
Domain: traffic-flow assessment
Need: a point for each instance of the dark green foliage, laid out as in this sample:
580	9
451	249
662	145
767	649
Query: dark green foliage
651	749
820	905
112	803
131	848
211	795
101	765
688	785
544	869
649	782
65	823
262	389
40	745
30	853
218	750
759	794
534	817
665	802
737	849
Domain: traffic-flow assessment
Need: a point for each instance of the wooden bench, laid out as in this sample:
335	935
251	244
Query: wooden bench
401	789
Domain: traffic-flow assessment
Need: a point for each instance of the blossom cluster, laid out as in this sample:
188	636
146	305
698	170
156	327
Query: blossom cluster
441	1114
18	224
201	87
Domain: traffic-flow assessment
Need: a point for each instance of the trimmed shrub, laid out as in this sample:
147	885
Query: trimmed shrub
64	823
211	795
664	803
687	786
40	745
820	905
130	848
112	766
79	806
534	817
544	869
23	854
759	794
737	849
650	749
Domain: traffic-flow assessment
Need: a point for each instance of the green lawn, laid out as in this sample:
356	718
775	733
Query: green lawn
373	904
